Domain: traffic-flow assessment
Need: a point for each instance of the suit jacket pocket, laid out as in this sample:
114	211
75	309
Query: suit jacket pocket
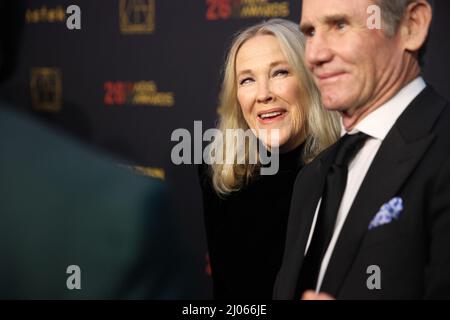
382	233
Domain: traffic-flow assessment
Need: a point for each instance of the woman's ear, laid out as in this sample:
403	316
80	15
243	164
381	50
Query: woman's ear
416	24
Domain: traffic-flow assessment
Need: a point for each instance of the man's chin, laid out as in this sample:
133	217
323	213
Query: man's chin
333	107
331	101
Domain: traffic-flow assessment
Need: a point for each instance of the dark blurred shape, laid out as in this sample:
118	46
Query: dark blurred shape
10	29
72	118
62	204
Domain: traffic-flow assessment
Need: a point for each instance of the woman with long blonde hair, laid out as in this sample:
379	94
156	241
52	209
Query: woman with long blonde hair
266	89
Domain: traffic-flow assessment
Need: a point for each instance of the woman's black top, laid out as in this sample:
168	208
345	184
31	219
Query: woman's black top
246	230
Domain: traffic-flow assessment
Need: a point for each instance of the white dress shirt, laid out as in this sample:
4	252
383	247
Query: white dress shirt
376	125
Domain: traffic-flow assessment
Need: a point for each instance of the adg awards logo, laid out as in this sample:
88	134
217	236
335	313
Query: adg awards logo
241	9
137	16
140	93
46	89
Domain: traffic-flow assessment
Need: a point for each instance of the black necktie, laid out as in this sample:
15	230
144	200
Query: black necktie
334	189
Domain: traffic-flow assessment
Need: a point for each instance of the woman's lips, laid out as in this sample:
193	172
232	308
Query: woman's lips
271	116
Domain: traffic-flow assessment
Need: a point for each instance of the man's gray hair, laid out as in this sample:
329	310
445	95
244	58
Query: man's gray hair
392	12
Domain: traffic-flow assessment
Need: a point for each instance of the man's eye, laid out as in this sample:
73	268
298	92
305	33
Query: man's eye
341	24
310	32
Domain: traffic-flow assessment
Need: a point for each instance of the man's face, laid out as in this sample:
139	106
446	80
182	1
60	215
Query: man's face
353	65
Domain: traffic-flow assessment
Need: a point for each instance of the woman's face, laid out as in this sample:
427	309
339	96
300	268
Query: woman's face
268	92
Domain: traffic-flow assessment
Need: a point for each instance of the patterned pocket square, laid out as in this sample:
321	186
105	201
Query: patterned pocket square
388	212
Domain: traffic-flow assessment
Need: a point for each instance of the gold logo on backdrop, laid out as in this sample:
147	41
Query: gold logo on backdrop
146	93
46	89
241	9
141	93
157	173
45	15
264	9
137	16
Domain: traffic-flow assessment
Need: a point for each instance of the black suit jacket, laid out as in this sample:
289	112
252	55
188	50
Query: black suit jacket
413	252
64	204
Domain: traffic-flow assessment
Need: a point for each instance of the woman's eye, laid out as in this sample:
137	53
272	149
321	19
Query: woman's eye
245	81
280	73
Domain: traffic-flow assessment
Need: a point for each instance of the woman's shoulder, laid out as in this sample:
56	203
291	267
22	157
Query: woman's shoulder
204	172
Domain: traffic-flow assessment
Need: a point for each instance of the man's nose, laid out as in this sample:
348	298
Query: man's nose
318	50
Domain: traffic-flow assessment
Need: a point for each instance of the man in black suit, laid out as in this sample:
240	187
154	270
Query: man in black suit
370	217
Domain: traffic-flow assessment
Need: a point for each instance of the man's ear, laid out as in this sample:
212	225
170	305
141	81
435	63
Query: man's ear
416	24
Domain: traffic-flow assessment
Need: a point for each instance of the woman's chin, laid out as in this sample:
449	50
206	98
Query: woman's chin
275	144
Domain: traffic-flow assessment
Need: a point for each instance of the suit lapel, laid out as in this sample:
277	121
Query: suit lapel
397	157
305	198
394	163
